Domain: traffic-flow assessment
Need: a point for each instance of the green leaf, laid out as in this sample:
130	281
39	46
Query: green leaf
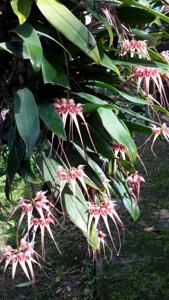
76	206
65	22
129	203
148	9
15	157
116	130
22	9
134	99
140	62
52	119
27	118
136	127
91	98
33	45
53	72
16	48
26	172
109	64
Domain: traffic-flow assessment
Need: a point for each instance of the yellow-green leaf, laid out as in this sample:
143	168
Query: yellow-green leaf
22	9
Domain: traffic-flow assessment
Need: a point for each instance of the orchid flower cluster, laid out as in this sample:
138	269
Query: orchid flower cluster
105	210
134	47
68	108
72	175
24	256
147	76
134	181
25	253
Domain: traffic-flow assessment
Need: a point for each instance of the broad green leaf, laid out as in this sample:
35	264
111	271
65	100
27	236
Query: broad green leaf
136	127
42	30
53	71
15	157
109	64
91	98
65	22
27	33
27	118
142	16
22	9
116	130
52	120
148	9
134	99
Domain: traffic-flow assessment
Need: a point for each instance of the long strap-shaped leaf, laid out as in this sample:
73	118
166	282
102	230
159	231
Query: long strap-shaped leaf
116	130
150	10
64	21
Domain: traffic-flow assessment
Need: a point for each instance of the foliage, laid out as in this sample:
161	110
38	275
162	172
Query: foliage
79	79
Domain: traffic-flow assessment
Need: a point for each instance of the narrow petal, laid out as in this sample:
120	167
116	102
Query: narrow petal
14	265
23	266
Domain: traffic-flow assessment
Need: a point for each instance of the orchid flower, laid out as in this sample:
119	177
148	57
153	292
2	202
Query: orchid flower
40	203
43	223
134	180
101	241
148	75
119	150
135	47
156	131
165	55
67	107
24	256
104	210
72	175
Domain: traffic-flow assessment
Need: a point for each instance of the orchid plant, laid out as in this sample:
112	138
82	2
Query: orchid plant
87	75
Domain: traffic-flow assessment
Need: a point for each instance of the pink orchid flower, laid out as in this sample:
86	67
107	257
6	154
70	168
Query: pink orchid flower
102	242
149	75
40	203
43	223
72	175
134	180
119	150
68	108
24	256
135	47
104	210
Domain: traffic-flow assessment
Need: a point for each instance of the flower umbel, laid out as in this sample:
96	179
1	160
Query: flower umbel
68	108
149	75
24	256
72	175
134	47
104	210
